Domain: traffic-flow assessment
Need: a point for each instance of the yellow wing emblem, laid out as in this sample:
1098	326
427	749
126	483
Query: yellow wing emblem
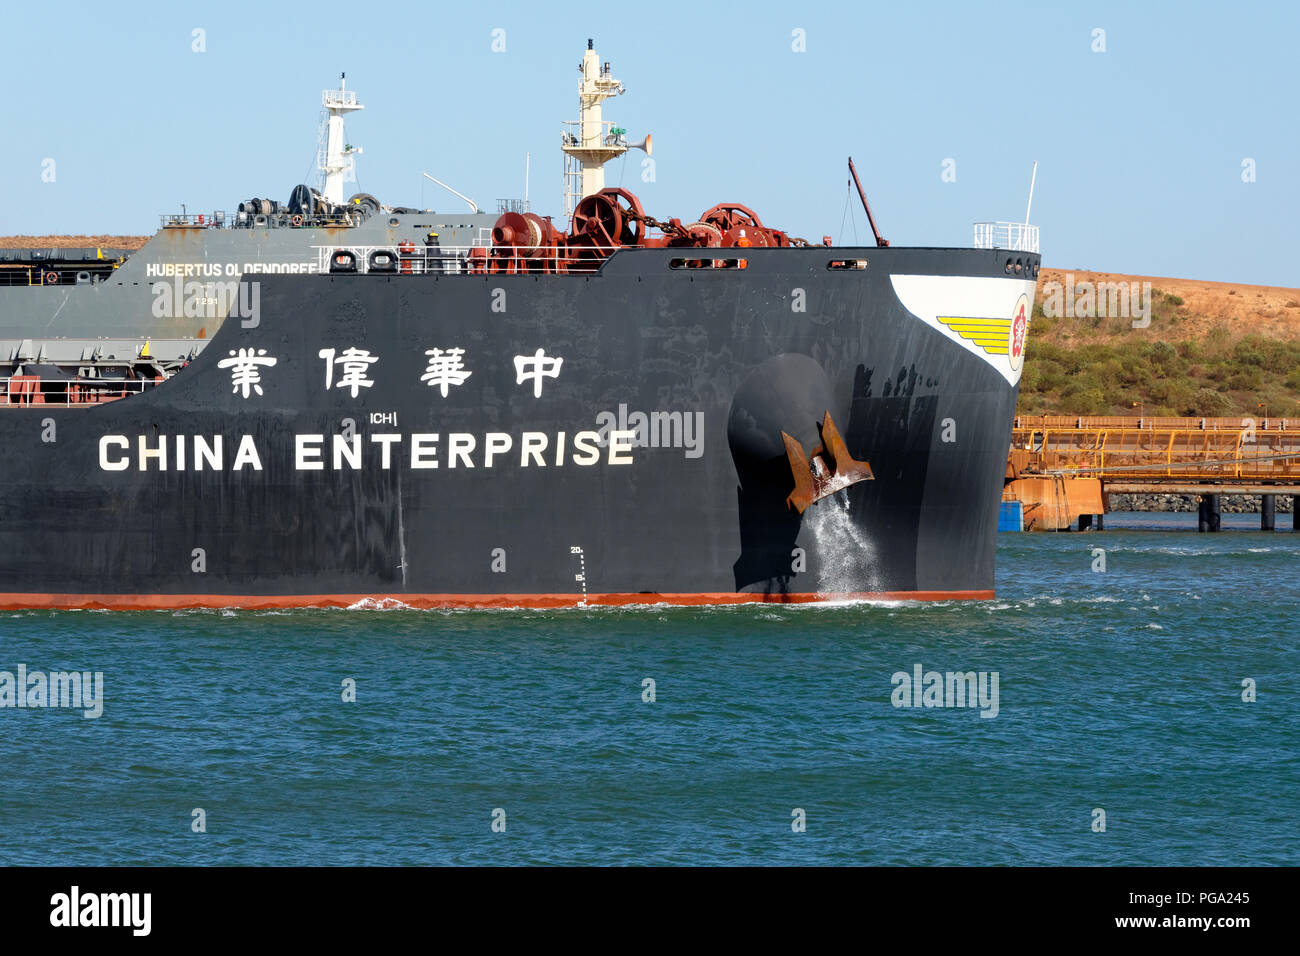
992	335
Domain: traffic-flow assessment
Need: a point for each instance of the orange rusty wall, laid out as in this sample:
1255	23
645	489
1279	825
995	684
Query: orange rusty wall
1054	503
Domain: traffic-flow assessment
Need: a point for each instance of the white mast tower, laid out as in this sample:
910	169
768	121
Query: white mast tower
590	142
334	157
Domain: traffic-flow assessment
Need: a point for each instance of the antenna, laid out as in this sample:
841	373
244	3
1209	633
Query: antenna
1032	179
473	206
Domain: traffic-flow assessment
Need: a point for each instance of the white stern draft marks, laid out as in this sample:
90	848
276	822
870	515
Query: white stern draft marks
581	576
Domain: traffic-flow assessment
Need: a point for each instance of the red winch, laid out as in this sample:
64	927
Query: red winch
610	220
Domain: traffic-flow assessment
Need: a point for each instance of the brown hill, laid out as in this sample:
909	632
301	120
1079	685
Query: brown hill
72	242
1210	349
1182	308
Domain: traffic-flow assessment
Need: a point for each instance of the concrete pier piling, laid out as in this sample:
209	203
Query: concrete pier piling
1266	512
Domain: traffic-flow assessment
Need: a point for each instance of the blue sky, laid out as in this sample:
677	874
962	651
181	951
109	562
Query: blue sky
1140	148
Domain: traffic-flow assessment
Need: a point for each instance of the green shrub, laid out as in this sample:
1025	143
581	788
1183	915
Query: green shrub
1246	380
1091	401
1219	375
1218	372
1246	353
1210	403
1280	357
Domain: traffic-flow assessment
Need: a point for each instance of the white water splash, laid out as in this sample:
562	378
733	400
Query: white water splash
379	604
842	557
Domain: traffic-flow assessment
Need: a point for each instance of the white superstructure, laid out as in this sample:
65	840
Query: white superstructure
335	157
590	142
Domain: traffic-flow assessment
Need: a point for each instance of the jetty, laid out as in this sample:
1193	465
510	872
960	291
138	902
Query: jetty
1062	469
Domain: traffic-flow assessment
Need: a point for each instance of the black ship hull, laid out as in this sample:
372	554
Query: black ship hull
401	438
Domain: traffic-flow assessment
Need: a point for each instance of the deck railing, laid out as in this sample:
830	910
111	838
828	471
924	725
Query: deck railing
1014	236
25	390
1159	453
1153	421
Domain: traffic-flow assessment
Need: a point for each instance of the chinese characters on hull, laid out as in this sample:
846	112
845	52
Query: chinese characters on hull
445	369
245	369
355	363
350	368
536	367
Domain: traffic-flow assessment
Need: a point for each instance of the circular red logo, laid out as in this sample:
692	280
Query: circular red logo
1019	331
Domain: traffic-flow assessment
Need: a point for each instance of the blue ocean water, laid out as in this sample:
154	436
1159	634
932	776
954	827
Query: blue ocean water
1119	690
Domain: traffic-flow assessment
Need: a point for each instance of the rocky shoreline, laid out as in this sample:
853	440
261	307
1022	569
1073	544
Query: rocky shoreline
1228	504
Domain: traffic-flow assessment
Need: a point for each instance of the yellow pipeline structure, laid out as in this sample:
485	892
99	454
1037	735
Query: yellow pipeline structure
1061	467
